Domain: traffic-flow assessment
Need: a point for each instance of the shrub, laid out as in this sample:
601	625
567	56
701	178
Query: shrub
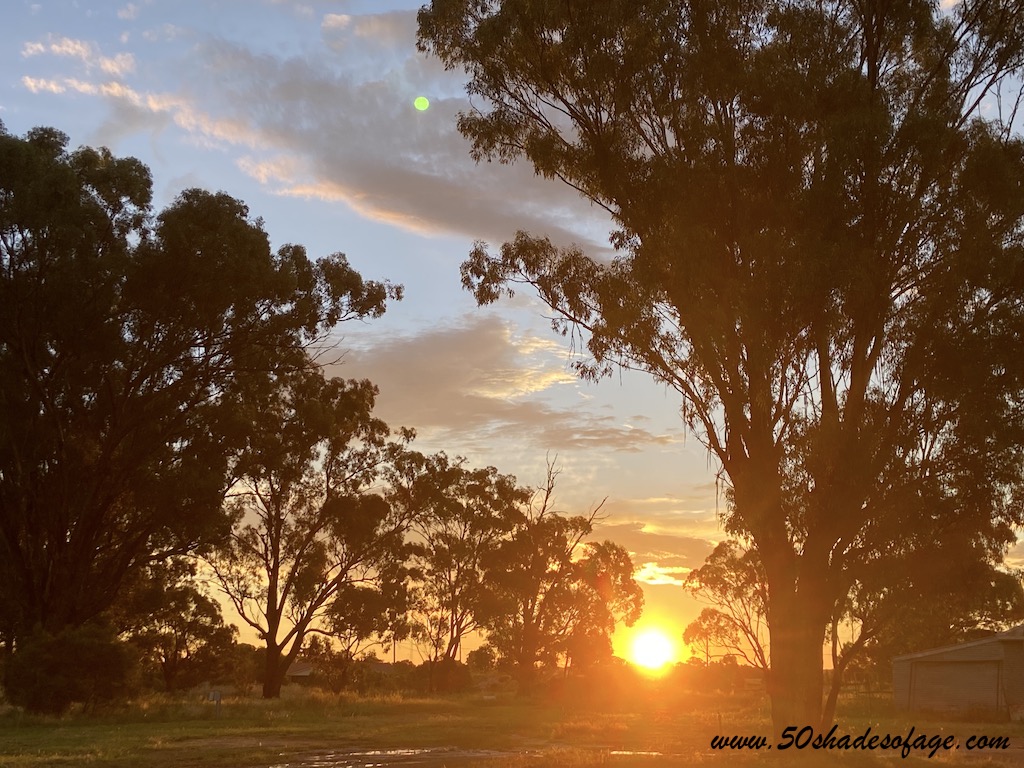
88	664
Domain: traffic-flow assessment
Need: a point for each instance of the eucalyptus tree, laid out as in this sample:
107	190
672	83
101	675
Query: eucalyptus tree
732	581
128	343
817	210
460	517
549	593
177	628
309	520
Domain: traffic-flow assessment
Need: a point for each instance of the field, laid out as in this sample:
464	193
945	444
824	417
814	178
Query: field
648	726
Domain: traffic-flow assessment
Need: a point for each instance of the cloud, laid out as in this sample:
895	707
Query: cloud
478	384
128	12
338	123
42	85
389	30
660	553
658	575
335	21
86	52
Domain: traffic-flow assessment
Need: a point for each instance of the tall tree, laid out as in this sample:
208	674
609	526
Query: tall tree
818	209
307	526
127	344
548	592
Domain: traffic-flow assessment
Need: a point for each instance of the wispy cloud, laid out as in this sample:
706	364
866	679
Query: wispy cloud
338	124
659	575
88	53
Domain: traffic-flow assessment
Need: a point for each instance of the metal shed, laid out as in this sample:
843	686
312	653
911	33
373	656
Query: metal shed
985	674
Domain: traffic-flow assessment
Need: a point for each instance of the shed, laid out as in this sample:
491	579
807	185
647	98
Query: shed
299	668
985	674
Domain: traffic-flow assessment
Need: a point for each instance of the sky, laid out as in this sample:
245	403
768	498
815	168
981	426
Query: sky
305	110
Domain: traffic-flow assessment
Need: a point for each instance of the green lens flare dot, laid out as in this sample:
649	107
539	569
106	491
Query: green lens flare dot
421	103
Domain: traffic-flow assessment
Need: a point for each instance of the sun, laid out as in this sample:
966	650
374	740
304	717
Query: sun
651	649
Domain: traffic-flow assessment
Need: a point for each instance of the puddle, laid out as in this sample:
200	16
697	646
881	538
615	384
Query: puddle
384	758
424	758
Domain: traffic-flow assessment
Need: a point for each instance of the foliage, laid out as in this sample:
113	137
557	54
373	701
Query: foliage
710	633
549	593
128	345
178	629
459	516
944	602
732	580
86	664
307	527
362	616
442	675
818	246
482	659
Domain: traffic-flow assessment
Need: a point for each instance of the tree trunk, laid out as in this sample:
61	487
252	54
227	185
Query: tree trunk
829	713
273	673
797	674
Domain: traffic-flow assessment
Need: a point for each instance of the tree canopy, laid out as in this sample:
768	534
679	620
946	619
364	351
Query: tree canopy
129	344
460	516
818	214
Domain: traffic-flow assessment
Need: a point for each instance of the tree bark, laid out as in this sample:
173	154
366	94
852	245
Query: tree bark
829	713
273	673
796	677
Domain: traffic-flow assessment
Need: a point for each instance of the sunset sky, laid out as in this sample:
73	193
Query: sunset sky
304	109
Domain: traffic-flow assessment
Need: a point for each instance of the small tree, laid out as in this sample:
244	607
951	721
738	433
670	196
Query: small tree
459	517
732	580
178	630
307	526
546	588
711	633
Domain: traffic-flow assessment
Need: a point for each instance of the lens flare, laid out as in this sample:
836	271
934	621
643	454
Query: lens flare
422	103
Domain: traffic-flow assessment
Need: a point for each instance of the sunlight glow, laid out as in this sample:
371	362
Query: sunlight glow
652	649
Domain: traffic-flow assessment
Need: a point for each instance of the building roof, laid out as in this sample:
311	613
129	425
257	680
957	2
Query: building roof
1014	634
300	668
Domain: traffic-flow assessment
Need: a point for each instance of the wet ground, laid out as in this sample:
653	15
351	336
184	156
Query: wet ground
422	758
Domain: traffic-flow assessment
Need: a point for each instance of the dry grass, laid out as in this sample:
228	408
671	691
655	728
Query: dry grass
570	730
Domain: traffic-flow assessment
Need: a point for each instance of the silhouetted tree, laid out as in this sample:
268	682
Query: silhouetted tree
818	236
545	587
127	344
713	634
365	615
459	517
733	581
482	659
178	630
306	524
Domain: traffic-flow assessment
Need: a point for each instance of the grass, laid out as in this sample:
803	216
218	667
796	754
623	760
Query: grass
567	732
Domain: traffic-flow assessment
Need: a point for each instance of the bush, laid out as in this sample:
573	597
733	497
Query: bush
443	676
88	664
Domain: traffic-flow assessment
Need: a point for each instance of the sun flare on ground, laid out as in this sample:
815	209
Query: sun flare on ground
652	649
